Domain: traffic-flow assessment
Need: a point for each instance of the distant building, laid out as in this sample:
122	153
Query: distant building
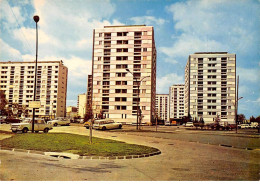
82	104
71	112
210	86
17	81
115	90
176	94
162	106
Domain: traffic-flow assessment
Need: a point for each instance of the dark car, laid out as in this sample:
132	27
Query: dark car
12	120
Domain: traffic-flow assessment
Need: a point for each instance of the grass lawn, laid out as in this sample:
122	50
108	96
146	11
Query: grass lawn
72	143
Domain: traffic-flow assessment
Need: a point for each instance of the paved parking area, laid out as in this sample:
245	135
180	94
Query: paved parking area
180	160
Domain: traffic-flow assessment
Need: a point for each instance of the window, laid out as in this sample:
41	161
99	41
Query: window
121	66
121	90
100	34
122	50
99	58
122	33
144	58
144	65
120	74
119	42
119	58
143	107
144	49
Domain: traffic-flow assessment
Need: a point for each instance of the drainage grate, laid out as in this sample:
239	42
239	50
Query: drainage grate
60	156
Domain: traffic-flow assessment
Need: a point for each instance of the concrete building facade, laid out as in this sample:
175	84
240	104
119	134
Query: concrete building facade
17	81
162	106
176	98
210	86
89	95
82	105
115	90
71	112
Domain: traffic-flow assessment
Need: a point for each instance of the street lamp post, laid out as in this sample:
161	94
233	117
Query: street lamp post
36	18
138	94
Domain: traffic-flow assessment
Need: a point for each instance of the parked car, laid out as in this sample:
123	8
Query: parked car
11	120
87	124
167	123
106	124
253	125
189	124
59	121
26	125
243	126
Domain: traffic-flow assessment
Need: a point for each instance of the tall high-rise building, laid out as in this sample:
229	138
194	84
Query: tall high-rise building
210	86
82	104
176	95
17	81
115	90
162	106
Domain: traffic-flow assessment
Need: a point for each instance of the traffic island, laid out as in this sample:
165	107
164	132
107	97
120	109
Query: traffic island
72	146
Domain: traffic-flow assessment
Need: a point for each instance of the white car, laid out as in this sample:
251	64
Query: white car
189	124
106	124
167	123
243	126
59	121
26	125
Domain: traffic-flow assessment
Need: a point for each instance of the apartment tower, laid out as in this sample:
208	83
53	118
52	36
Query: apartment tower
162	106
17	81
210	86
115	90
176	95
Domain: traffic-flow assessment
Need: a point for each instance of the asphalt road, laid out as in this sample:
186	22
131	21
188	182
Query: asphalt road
180	160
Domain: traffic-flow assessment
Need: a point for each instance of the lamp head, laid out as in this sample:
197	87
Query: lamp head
36	18
127	69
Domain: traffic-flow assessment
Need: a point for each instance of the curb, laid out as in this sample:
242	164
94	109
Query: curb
60	155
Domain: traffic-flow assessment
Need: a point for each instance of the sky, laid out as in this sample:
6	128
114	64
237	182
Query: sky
181	27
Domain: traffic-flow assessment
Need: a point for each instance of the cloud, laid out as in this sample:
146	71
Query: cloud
10	17
216	25
148	20
249	74
9	53
163	83
65	33
187	44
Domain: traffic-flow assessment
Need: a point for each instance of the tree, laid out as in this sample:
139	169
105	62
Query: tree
101	114
241	117
196	122
3	102
201	123
252	119
24	110
257	119
17	109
